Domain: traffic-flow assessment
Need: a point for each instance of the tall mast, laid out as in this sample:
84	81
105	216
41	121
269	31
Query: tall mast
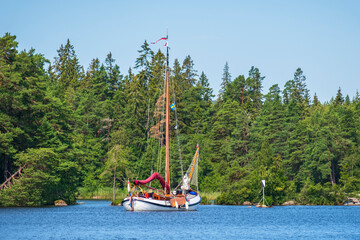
167	175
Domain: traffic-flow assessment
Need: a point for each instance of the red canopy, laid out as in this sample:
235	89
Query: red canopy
157	176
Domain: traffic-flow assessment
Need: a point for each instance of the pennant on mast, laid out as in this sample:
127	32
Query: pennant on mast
163	38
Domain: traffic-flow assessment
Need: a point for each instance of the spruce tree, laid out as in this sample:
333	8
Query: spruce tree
254	83
207	92
68	72
189	73
316	100
114	77
226	79
339	100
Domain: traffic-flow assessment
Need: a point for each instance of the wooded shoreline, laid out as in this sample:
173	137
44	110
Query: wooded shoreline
83	129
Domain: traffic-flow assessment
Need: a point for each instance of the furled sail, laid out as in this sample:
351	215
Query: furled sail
154	176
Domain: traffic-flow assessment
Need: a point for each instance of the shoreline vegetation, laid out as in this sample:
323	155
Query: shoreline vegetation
68	130
208	198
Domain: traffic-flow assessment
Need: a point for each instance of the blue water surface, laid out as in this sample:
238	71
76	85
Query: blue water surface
99	220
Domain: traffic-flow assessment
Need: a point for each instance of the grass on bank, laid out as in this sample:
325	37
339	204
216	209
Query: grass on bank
104	193
209	198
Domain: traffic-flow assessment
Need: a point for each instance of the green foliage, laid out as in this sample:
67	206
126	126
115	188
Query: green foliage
44	180
321	194
67	71
37	130
226	80
75	129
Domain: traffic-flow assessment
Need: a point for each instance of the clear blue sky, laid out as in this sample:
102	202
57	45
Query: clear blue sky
322	37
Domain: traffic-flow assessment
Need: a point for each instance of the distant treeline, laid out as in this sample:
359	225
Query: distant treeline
72	128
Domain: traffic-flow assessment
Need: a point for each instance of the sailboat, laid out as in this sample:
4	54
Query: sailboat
183	197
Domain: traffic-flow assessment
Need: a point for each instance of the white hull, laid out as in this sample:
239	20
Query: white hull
149	204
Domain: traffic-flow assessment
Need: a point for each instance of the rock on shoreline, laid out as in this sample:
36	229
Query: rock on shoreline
289	203
353	202
60	203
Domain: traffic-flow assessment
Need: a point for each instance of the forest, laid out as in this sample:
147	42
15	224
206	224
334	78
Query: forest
71	128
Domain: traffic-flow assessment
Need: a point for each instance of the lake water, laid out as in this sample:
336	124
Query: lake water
99	220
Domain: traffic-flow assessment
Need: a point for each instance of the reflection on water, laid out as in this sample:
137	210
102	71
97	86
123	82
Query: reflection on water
99	220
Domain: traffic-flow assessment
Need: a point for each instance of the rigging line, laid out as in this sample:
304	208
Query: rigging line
156	135
147	135
158	125
159	158
153	156
120	179
177	128
161	126
167	72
